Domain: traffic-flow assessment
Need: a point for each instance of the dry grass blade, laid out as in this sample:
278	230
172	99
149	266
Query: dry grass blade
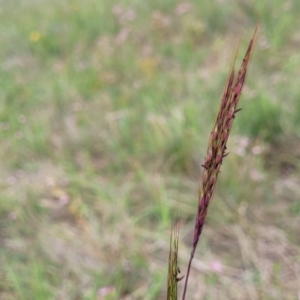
216	150
173	273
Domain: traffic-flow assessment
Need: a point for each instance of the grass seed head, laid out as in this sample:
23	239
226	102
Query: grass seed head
174	271
216	150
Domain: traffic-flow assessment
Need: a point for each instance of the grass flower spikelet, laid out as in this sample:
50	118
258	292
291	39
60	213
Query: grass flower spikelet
216	150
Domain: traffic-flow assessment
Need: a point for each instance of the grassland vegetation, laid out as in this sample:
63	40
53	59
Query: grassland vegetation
105	109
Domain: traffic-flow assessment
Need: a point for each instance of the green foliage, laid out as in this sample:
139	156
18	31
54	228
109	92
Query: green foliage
105	109
262	119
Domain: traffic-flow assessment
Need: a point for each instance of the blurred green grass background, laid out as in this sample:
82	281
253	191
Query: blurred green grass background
105	112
